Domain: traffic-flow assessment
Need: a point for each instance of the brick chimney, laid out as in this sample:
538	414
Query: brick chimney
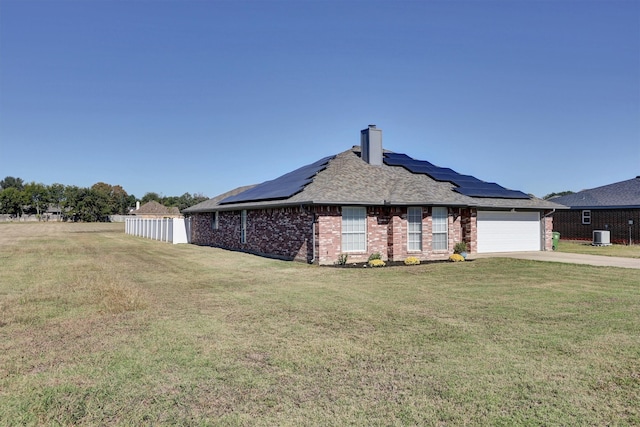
371	145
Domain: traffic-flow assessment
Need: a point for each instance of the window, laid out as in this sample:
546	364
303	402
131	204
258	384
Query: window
354	229
243	227
439	220
586	217
414	220
214	220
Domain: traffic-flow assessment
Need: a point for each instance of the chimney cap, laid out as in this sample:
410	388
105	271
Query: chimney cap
372	126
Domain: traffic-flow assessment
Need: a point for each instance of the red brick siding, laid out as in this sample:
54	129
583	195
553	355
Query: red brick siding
469	229
386	234
288	233
395	233
569	224
377	232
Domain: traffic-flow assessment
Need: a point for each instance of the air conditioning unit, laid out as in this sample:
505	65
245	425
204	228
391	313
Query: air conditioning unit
601	238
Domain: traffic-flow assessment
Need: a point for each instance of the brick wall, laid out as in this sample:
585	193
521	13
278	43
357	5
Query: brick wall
386	234
288	233
469	229
283	233
569	224
328	235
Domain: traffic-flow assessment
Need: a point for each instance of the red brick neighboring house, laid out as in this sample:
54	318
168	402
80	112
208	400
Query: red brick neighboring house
610	207
361	201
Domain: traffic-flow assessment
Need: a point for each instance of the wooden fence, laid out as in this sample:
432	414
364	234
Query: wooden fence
171	230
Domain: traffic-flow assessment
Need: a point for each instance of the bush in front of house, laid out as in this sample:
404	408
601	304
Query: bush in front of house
412	261
375	255
460	247
377	263
342	259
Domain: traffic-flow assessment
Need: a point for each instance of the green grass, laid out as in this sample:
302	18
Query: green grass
583	247
100	328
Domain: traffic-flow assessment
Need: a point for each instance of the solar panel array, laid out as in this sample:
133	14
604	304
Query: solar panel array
466	184
283	187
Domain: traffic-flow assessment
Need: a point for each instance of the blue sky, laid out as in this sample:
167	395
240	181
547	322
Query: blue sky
206	96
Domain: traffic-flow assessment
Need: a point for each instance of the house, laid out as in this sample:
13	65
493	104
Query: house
153	209
614	208
368	200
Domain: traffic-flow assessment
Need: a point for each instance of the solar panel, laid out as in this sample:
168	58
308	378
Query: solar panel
466	184
501	192
282	187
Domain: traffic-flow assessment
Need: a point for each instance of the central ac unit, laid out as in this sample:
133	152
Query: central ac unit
601	238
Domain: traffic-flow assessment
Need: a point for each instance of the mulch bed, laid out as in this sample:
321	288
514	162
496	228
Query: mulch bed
388	264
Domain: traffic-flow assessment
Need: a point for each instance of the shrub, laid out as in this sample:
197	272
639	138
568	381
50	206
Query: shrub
460	247
375	255
456	258
376	263
412	261
342	259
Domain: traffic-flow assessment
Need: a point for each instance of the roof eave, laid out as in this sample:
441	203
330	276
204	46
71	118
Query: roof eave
289	204
595	207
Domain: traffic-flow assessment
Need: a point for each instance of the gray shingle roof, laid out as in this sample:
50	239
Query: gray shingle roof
623	194
349	180
211	204
154	208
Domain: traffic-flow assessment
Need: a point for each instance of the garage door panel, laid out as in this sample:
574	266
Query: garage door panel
503	231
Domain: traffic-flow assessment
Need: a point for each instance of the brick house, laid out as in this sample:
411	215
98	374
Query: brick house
368	200
610	208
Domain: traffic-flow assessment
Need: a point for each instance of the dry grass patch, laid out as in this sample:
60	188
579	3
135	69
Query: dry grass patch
101	328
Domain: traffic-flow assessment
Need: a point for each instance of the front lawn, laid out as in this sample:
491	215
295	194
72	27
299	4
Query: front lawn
100	328
585	247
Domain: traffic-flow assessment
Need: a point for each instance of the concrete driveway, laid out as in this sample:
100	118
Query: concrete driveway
565	257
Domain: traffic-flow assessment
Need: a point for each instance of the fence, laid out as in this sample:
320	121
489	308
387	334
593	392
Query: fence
172	230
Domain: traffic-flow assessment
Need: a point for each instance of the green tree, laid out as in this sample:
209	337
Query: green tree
56	195
119	200
12	201
36	196
187	200
117	197
94	206
11	182
562	193
70	203
149	197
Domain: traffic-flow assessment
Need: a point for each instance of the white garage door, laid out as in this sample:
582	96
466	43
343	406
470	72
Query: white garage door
500	231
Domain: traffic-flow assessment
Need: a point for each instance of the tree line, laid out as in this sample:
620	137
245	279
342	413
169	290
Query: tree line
73	203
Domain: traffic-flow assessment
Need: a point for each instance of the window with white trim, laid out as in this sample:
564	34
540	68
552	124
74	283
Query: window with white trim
414	229
354	229
439	225
586	217
243	227
214	220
